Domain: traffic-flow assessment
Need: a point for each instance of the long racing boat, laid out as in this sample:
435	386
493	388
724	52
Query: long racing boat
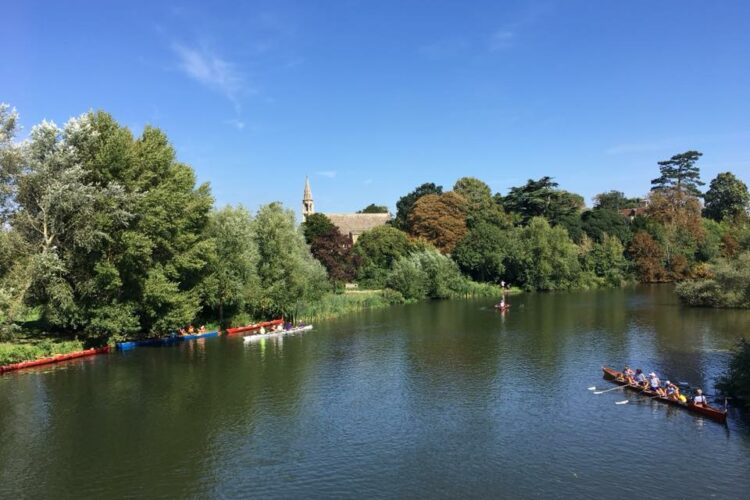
719	415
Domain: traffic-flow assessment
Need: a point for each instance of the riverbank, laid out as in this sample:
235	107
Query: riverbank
30	349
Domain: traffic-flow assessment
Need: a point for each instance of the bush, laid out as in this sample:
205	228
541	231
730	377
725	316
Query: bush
729	287
736	381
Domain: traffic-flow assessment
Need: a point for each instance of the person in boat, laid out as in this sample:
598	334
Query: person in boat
673	392
640	378
655	384
202	329
262	330
191	330
501	305
699	399
628	374
182	332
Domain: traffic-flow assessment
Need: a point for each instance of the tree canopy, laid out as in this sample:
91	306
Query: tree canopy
680	173
374	209
406	203
439	219
727	198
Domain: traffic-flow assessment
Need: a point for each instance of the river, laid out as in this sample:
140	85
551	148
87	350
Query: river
441	400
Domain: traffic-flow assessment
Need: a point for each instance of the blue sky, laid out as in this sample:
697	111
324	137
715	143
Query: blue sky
372	98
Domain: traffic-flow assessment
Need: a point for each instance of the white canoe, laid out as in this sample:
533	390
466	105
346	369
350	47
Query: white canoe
279	333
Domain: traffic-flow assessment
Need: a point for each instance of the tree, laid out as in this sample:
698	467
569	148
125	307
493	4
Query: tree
232	270
602	221
316	225
482	252
542	257
374	209
608	261
288	274
680	173
439	219
334	251
541	198
648	258
11	159
427	274
481	207
614	200
727	198
406	203
377	250
735	382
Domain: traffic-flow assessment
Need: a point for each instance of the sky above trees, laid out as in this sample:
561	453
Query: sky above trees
372	99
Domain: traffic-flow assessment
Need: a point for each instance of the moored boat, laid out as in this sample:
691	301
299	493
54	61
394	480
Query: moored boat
163	341
254	326
278	333
54	359
719	415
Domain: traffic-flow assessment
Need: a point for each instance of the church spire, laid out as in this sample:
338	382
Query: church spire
308	208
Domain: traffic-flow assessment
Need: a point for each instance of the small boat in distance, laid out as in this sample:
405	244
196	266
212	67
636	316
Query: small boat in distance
716	414
256	326
278	333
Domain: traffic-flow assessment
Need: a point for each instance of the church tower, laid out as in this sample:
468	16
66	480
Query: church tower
308	208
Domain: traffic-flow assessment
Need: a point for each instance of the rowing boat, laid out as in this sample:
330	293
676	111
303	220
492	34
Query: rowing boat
255	326
707	411
163	341
278	333
502	308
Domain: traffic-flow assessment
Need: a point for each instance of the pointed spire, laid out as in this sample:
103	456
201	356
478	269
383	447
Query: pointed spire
308	193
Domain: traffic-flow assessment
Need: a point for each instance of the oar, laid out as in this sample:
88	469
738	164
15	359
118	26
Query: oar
641	401
613	389
592	388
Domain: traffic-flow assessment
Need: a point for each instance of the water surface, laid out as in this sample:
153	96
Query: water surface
442	400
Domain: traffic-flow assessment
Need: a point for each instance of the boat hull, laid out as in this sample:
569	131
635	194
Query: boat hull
710	412
53	359
253	327
292	331
163	341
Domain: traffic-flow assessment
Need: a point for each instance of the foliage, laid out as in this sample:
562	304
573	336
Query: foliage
614	200
232	269
406	203
736	381
606	261
541	198
680	174
482	252
334	251
727	198
728	287
288	274
332	305
481	207
648	258
377	250
542	257
429	274
316	225
374	209
439	219
605	221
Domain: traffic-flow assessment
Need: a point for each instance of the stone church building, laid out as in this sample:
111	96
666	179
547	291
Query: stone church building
351	225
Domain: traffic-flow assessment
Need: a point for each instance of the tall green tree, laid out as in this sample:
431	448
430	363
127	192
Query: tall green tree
680	173
601	221
614	200
288	274
727	198
406	203
316	225
482	253
542	198
481	207
377	250
232	278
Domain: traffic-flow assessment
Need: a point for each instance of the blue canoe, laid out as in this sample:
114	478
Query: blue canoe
171	340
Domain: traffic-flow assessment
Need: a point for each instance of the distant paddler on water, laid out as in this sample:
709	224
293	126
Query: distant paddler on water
502	305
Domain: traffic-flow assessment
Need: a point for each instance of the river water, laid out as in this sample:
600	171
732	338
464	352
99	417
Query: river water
440	400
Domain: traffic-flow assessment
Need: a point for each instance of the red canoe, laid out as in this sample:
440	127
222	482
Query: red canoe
256	326
54	359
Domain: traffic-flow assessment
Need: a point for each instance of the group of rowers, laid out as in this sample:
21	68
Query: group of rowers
651	382
191	330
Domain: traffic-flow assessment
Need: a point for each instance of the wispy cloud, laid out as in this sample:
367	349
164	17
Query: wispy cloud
236	123
501	40
211	70
676	143
327	173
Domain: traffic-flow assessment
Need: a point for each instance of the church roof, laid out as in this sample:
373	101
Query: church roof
308	193
357	223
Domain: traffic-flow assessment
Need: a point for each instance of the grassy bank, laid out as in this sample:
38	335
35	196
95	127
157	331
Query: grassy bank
333	305
31	349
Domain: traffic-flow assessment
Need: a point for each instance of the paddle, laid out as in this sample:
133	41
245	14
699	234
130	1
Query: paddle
613	389
592	388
